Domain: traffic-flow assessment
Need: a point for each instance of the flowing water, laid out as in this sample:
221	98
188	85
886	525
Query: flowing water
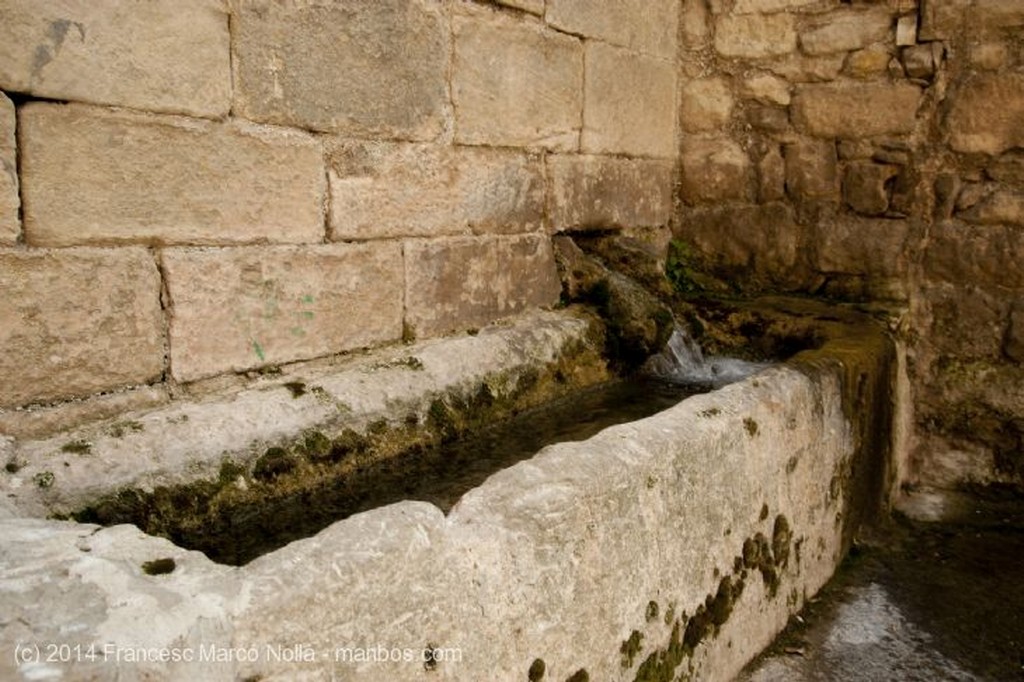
683	362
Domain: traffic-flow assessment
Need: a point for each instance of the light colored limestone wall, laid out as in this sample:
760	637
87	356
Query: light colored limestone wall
192	189
871	150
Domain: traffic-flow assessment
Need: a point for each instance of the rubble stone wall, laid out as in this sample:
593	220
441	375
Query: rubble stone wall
873	150
195	188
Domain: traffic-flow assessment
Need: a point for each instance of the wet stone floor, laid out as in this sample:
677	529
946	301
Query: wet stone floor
916	601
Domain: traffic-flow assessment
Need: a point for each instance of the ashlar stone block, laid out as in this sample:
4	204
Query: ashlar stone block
96	176
630	103
516	84
394	189
233	309
366	69
74	322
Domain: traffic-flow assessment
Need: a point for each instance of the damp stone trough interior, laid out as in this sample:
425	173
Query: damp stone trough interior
247	243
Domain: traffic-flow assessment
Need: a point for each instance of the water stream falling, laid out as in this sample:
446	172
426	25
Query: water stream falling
682	361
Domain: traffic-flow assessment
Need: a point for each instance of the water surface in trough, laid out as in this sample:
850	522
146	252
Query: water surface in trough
439	475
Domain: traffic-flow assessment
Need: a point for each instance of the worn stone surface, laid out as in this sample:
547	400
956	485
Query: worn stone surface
516	84
990	56
941	19
865	187
986	114
756	245
871	62
235	309
770	6
40	421
78	321
714	170
985	255
630	103
754	36
359	68
811	169
921	61
387	189
603	192
10	224
95	176
800	68
707	105
859	246
648	26
767	89
168	55
84	588
856	110
846	30
466	282
695	24
1000	207
771	176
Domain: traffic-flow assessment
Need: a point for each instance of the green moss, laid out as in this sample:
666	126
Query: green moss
159	566
631	647
296	388
652	611
77	447
316	446
537	670
764	512
44	479
710	412
229	472
751	426
346	445
679	267
274	462
781	538
580	675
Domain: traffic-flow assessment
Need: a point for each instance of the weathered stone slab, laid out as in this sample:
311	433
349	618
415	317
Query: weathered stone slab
811	169
235	309
602	191
756	244
77	321
854	110
999	208
95	176
755	36
799	68
767	89
385	189
516	84
846	30
862	246
770	6
871	62
941	19
695	24
985	255
707	105
630	103
987	114
714	170
648	26
865	187
358	68
169	56
10	225
771	176
467	282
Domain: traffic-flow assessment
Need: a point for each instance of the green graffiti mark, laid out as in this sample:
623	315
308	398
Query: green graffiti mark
259	350
307	299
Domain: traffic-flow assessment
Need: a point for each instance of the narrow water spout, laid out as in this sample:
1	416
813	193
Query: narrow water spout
682	361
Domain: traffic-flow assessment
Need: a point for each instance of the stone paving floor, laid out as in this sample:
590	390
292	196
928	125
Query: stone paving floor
916	601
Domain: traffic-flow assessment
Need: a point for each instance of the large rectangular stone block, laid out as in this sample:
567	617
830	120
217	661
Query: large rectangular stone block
385	189
467	282
987	114
94	176
238	308
755	36
630	103
515	83
359	68
648	26
169	56
10	226
846	30
74	322
604	191
855	110
714	170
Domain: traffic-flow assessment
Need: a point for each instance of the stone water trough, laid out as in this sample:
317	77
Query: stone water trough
674	547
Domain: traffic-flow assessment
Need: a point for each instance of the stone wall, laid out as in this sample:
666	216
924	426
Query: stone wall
872	150
195	188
